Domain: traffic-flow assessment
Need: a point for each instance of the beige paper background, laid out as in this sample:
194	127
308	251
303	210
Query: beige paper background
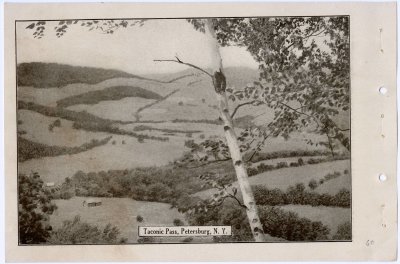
374	145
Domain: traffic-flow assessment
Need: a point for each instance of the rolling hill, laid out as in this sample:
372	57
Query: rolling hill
108	94
47	75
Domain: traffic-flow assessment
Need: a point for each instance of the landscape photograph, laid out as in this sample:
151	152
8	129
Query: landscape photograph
131	123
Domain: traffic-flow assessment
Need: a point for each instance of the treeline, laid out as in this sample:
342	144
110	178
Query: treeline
49	75
28	149
85	121
142	184
288	154
260	168
165	130
203	121
299	195
107	94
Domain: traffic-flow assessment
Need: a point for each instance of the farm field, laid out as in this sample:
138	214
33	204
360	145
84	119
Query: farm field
36	128
108	157
123	110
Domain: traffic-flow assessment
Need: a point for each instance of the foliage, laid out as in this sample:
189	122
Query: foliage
139	218
304	70
34	208
142	184
56	123
166	130
178	222
313	184
276	222
298	195
343	232
110	93
78	232
28	149
290	226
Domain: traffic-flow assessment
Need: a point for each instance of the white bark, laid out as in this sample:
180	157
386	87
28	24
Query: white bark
231	138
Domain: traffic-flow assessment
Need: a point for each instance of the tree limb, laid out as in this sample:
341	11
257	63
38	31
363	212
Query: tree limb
177	60
240	105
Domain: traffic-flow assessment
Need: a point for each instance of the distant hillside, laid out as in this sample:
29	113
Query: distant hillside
47	75
111	93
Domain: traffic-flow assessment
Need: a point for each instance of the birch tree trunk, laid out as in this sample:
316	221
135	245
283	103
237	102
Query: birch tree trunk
219	82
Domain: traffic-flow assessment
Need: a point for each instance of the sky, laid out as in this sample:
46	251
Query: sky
131	49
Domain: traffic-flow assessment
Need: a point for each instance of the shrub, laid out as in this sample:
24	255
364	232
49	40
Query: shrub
180	103
139	218
290	226
294	164
264	196
343	232
300	161
282	164
313	184
178	222
78	232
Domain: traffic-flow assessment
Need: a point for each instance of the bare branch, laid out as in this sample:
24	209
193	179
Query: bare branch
240	105
187	64
301	113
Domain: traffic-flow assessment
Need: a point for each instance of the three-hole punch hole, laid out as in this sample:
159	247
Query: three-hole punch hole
383	90
382	177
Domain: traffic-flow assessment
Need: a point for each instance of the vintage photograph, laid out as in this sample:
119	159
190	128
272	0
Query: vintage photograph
186	130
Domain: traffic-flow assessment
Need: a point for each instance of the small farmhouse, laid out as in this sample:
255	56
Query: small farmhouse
92	202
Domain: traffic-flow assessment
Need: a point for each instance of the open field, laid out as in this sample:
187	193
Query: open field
123	110
36	127
108	157
119	212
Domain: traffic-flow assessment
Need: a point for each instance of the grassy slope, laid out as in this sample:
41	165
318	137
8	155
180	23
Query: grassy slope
46	75
37	128
111	93
120	212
